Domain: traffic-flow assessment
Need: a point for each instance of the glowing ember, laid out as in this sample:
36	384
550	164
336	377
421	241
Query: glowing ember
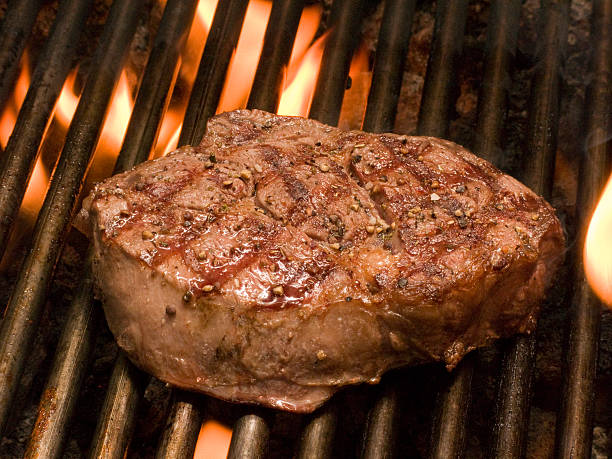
598	247
213	441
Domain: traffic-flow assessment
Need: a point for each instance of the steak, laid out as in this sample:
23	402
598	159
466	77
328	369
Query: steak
282	258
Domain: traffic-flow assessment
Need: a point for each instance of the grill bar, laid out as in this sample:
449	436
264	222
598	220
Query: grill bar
116	422
439	89
438	96
251	431
16	28
392	48
452	410
391	52
278	42
182	427
317	439
207	88
382	424
493	98
69	367
249	437
157	83
51	71
76	342
575	417
26	304
332	78
450	423
317	436
205	95
514	391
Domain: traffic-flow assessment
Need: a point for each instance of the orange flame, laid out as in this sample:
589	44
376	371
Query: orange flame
242	66
9	115
598	247
37	186
356	97
113	129
188	68
244	62
297	96
213	441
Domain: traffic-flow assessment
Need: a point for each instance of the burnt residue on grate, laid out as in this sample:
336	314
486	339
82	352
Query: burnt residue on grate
417	400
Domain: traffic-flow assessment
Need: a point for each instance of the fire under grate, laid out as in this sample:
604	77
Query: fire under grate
253	429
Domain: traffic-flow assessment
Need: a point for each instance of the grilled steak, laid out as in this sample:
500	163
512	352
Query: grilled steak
283	258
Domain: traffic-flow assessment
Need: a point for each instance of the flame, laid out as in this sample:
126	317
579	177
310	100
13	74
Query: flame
598	247
35	192
113	129
244	62
356	97
67	101
213	441
297	96
196	40
37	186
13	105
187	71
242	66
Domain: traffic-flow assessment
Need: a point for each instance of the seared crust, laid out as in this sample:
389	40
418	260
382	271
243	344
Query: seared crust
282	258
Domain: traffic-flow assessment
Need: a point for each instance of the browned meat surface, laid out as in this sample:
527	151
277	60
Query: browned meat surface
282	259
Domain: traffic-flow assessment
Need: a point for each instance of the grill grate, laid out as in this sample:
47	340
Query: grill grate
252	430
575	420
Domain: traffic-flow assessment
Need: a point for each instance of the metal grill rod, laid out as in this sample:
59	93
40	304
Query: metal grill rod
16	28
317	435
206	91
440	83
127	383
392	48
61	391
26	304
250	436
336	62
438	96
251	431
278	42
51	71
575	418
205	95
502	32
391	51
317	439
182	427
452	412
116	421
331	82
514	391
